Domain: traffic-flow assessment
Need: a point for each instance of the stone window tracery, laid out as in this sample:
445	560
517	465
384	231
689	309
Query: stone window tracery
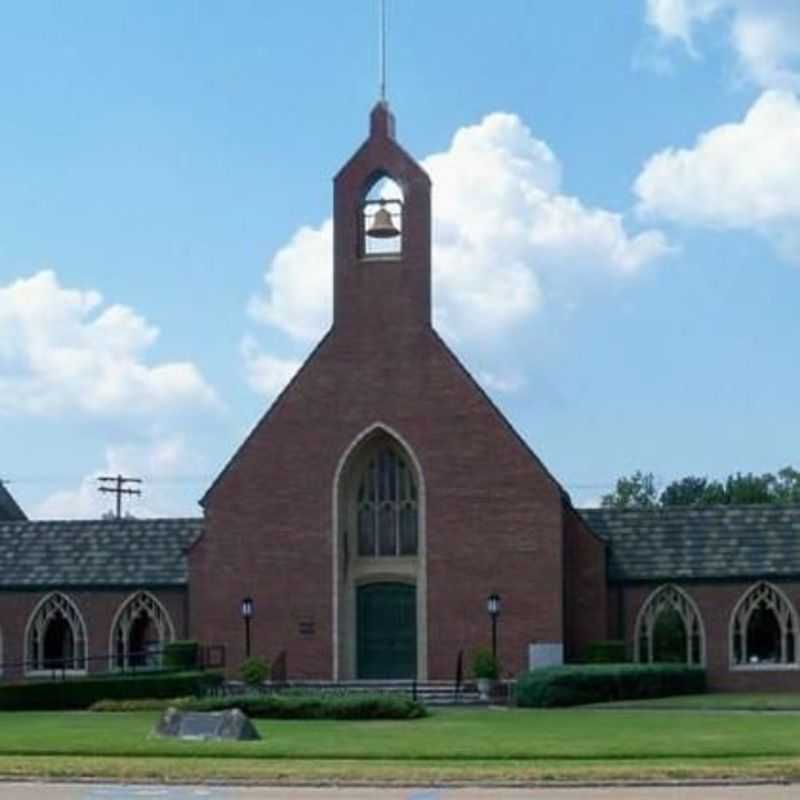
669	628
140	631
387	507
56	636
764	629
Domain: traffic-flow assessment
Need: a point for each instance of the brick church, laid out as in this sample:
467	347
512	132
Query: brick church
378	504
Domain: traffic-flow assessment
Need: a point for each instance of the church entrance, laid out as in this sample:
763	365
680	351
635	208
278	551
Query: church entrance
387	631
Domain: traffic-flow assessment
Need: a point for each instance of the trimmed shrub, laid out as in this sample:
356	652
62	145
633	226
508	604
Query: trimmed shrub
608	652
319	705
485	665
576	685
181	655
80	693
145	704
254	671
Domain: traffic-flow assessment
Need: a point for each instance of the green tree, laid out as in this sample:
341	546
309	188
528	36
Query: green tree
693	491
746	489
786	486
637	491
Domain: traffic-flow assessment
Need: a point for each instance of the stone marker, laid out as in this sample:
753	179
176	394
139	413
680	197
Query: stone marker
194	725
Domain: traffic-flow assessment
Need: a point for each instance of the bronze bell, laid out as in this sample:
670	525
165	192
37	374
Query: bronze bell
382	226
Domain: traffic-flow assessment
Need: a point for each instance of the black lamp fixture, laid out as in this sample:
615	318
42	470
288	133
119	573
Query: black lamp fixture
247	614
493	607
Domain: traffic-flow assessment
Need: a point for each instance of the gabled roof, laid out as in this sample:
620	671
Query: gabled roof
9	510
691	543
141	552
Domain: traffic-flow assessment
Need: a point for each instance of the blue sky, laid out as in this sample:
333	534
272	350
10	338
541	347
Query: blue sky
616	206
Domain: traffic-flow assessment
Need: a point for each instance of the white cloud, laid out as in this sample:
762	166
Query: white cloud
503	383
765	34
60	349
677	18
266	374
743	176
298	290
506	241
163	456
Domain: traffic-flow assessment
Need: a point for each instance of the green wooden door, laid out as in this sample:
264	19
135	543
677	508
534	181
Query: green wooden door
387	631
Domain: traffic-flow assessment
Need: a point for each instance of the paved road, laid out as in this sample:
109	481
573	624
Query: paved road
38	791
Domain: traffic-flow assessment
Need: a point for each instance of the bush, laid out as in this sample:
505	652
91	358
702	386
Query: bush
80	693
608	652
181	655
255	671
319	705
575	685
485	665
145	704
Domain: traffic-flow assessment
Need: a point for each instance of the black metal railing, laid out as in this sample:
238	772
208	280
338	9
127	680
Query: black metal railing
459	681
105	665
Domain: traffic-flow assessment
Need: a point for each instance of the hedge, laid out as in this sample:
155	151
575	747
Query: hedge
575	685
607	652
181	655
80	693
314	705
142	704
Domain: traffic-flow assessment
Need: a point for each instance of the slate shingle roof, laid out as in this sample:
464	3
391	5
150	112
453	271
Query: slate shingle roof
9	510
756	541
142	552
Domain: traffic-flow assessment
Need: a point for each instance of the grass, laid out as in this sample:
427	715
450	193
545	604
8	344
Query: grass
514	745
236	770
727	701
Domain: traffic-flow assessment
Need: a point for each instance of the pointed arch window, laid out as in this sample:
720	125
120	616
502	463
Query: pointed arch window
382	219
669	629
764	629
387	507
141	629
56	638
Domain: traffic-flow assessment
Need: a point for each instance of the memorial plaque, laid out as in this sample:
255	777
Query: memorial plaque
203	726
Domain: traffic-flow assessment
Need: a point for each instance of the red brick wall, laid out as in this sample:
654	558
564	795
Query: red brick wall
716	602
98	609
493	516
585	587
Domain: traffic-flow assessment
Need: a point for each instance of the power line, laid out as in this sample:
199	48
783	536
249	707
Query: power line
118	488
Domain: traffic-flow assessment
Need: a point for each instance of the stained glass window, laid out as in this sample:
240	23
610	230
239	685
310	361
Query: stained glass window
387	507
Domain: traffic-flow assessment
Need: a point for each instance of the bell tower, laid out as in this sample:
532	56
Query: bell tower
382	235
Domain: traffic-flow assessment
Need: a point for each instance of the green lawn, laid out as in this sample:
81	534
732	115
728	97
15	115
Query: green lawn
452	744
728	701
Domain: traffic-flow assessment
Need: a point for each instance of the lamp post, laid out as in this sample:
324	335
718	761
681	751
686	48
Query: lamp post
247	613
493	607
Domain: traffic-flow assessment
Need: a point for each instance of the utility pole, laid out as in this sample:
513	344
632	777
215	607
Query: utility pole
118	488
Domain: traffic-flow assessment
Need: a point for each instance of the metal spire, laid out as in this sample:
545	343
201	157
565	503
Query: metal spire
383	35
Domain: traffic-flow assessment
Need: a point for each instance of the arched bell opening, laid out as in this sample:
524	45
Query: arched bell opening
380	628
382	218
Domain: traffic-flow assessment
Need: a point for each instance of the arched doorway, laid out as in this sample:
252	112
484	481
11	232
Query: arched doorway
669	629
764	629
56	636
139	632
379	561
